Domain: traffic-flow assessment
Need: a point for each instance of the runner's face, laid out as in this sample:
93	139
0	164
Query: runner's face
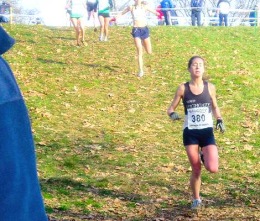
197	67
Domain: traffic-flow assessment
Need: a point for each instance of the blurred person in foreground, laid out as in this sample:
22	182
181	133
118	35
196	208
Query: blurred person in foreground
20	196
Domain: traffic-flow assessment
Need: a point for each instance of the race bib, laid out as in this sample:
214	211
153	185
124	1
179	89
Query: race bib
199	118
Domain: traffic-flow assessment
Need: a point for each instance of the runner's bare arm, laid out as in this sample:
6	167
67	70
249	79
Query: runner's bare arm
176	100
215	108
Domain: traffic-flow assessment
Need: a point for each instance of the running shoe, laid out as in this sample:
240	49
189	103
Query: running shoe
140	74
84	43
196	204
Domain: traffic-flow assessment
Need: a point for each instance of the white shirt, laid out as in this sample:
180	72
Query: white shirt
224	7
103	4
139	13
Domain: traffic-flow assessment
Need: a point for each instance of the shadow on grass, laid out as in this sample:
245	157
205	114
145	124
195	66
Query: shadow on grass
47	61
99	67
222	208
107	67
63	29
62	38
228	205
61	213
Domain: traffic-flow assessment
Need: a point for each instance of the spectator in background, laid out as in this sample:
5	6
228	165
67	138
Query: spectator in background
20	194
160	15
196	8
166	7
223	11
252	17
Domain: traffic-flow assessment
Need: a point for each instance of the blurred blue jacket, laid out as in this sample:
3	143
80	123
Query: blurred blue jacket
166	4
20	196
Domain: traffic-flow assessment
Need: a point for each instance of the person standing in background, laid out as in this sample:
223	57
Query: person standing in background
223	11
166	6
196	8
104	7
160	15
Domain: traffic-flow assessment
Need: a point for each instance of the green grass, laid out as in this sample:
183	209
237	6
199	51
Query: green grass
105	146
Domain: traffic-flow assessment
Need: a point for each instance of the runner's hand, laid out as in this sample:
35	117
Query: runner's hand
220	125
174	116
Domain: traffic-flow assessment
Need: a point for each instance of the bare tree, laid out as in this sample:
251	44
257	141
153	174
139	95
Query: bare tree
240	14
23	15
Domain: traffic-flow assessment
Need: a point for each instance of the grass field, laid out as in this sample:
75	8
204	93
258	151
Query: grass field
106	149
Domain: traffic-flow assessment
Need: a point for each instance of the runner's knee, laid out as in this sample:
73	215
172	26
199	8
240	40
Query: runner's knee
196	171
212	168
